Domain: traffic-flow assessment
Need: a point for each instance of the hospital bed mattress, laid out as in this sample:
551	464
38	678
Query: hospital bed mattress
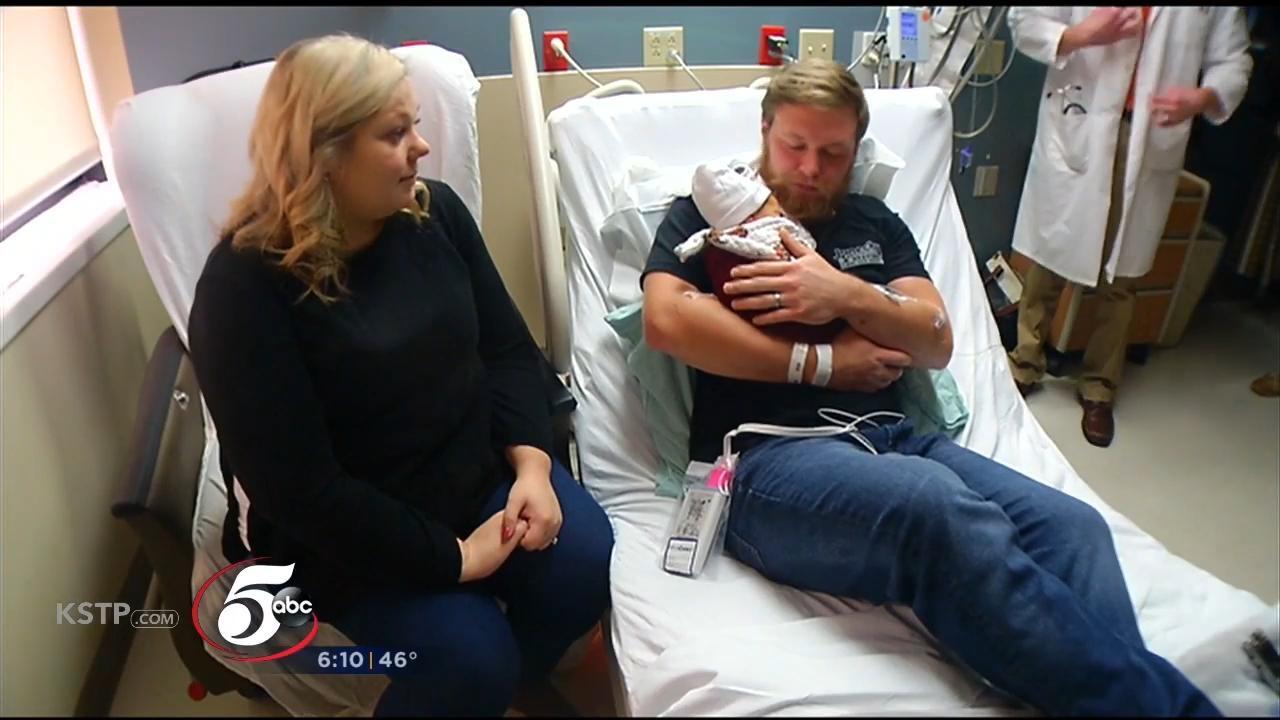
729	641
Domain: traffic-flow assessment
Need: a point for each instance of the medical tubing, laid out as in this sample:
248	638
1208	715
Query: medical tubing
1008	63
995	100
961	12
946	54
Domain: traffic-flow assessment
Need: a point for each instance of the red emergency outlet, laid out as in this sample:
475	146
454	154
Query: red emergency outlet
765	31
550	60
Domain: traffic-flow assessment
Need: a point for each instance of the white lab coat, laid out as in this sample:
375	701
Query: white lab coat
1063	214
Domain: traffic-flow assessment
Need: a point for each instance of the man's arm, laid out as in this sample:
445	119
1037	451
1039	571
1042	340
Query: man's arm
1045	33
1037	33
696	329
1226	63
908	316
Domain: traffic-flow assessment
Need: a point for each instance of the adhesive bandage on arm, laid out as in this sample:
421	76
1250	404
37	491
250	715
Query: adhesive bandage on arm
897	298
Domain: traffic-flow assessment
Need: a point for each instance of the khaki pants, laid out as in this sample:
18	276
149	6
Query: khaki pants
1104	355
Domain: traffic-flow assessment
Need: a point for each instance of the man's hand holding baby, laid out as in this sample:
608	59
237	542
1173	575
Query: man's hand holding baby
805	289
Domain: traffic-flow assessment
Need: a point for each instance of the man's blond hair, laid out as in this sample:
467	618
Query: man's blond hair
817	82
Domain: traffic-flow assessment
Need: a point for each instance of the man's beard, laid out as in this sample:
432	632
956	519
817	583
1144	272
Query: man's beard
803	206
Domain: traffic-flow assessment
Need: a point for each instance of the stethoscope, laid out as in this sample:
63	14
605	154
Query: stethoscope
1067	104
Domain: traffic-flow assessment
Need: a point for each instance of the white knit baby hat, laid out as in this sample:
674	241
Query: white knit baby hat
726	195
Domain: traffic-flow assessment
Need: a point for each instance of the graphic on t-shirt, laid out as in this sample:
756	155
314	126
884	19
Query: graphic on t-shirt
868	253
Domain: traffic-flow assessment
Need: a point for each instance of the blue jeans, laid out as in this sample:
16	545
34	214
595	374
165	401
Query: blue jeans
1019	581
472	656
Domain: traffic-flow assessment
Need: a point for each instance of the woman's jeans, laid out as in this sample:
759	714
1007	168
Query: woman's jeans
472	655
1018	580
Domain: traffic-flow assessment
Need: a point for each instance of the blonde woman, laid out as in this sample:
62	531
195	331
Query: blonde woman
380	401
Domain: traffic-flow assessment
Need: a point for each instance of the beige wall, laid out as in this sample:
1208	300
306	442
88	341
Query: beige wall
69	386
507	196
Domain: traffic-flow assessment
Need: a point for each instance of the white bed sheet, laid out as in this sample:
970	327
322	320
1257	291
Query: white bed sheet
731	642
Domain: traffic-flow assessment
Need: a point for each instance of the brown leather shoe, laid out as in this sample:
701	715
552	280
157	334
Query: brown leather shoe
1267	386
1098	424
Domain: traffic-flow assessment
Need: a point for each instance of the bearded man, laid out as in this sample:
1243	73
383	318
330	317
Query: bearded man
1018	581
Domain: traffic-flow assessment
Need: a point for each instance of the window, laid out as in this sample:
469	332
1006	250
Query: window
61	71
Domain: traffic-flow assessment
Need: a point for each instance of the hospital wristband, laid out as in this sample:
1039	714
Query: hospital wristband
799	353
822	374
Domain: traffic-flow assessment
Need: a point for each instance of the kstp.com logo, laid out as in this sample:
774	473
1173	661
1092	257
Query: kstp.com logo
252	613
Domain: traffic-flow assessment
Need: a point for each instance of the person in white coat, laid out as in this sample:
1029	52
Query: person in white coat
1122	88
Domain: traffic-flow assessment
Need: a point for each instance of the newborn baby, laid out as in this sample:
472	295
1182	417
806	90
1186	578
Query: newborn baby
745	221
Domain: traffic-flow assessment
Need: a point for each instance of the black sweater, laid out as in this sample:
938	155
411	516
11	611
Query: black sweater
367	434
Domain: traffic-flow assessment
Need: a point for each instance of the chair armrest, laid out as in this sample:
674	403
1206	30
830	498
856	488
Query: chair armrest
562	404
159	395
559	396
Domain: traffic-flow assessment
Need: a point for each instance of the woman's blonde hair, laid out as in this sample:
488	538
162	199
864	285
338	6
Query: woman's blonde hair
815	81
319	91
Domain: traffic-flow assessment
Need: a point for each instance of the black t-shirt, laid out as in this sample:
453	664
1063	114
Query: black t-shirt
369	433
864	238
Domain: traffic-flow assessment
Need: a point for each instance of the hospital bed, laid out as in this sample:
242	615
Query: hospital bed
181	155
730	642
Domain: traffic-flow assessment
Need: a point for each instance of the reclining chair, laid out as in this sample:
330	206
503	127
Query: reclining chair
181	155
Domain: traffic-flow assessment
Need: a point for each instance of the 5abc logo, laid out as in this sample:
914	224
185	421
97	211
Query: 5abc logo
252	614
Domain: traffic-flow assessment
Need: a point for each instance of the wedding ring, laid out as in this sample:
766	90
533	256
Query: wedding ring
777	300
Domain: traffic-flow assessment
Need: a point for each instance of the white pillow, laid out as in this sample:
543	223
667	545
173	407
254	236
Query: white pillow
645	191
874	168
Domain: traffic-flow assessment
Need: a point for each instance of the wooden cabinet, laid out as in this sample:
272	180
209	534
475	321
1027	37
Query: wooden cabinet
1163	294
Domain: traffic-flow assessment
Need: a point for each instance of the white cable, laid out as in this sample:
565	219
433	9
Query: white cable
995	99
843	422
875	30
979	22
961	11
557	45
985	38
999	76
986	35
946	54
675	54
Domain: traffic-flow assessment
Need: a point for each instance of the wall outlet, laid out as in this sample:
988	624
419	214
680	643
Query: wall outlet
984	180
659	42
550	60
766	56
817	44
861	39
992	60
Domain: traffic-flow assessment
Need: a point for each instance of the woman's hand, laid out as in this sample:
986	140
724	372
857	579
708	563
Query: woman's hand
487	547
533	501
